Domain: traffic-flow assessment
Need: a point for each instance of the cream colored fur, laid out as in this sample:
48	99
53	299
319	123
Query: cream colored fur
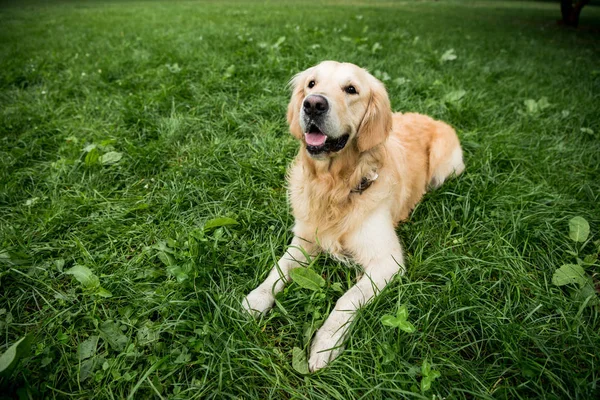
408	152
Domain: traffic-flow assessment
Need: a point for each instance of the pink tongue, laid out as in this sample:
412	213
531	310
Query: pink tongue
315	139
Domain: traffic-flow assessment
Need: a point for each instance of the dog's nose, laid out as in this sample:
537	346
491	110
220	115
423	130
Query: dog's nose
315	104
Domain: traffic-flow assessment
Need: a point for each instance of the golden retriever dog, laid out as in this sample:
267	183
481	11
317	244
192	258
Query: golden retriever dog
360	170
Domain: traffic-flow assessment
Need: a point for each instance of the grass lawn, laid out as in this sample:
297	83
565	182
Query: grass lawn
126	126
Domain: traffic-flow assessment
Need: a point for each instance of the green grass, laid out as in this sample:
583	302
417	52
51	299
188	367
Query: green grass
193	94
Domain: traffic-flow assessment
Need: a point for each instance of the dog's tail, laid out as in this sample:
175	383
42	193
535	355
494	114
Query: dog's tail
445	155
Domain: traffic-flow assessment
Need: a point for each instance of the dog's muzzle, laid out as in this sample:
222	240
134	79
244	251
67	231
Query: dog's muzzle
315	108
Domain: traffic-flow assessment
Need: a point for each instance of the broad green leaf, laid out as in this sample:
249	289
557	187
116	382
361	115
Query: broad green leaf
112	157
585	291
337	287
109	330
91	158
402	312
178	273
579	229
218	222
229	71
84	275
184	356
426	382
307	278
449	56
428	376
543	103
86	369
590	259
587	130
18	350
406	326
279	42
389	320
399	321
103	292
173	68
388	352
455	96
425	368
531	106
87	348
166	258
569	273
147	334
299	361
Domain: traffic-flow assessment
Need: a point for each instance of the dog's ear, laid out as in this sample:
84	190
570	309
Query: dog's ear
293	111
377	121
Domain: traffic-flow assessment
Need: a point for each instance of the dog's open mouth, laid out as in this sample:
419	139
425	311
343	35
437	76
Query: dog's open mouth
317	142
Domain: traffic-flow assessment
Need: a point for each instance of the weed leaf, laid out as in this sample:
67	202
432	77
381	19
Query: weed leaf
9	359
569	273
229	71
427	381
84	275
218	222
87	348
531	106
166	258
91	158
579	229
299	362
307	279
543	103
428	376
407	327
178	273
455	96
389	320
103	292
279	42
400	321
425	368
112	157
402	313
449	56
109	330
586	291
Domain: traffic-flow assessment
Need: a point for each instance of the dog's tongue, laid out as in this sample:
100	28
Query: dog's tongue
315	139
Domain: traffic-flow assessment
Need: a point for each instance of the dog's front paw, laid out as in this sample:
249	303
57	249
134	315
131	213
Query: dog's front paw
258	302
324	349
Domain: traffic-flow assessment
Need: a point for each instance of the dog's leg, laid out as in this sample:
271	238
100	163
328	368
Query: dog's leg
261	299
376	247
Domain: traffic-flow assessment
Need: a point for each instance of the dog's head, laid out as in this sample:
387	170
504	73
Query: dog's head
338	105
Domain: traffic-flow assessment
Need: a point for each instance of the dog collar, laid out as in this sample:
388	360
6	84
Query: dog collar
365	183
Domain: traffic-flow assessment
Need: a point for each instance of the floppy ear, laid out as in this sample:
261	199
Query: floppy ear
293	111
377	121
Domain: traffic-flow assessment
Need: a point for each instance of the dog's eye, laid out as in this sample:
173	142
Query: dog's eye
350	90
311	84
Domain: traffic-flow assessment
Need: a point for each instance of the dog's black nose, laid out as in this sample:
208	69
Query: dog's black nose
315	104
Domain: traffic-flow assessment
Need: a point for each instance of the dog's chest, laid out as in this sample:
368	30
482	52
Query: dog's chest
326	217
